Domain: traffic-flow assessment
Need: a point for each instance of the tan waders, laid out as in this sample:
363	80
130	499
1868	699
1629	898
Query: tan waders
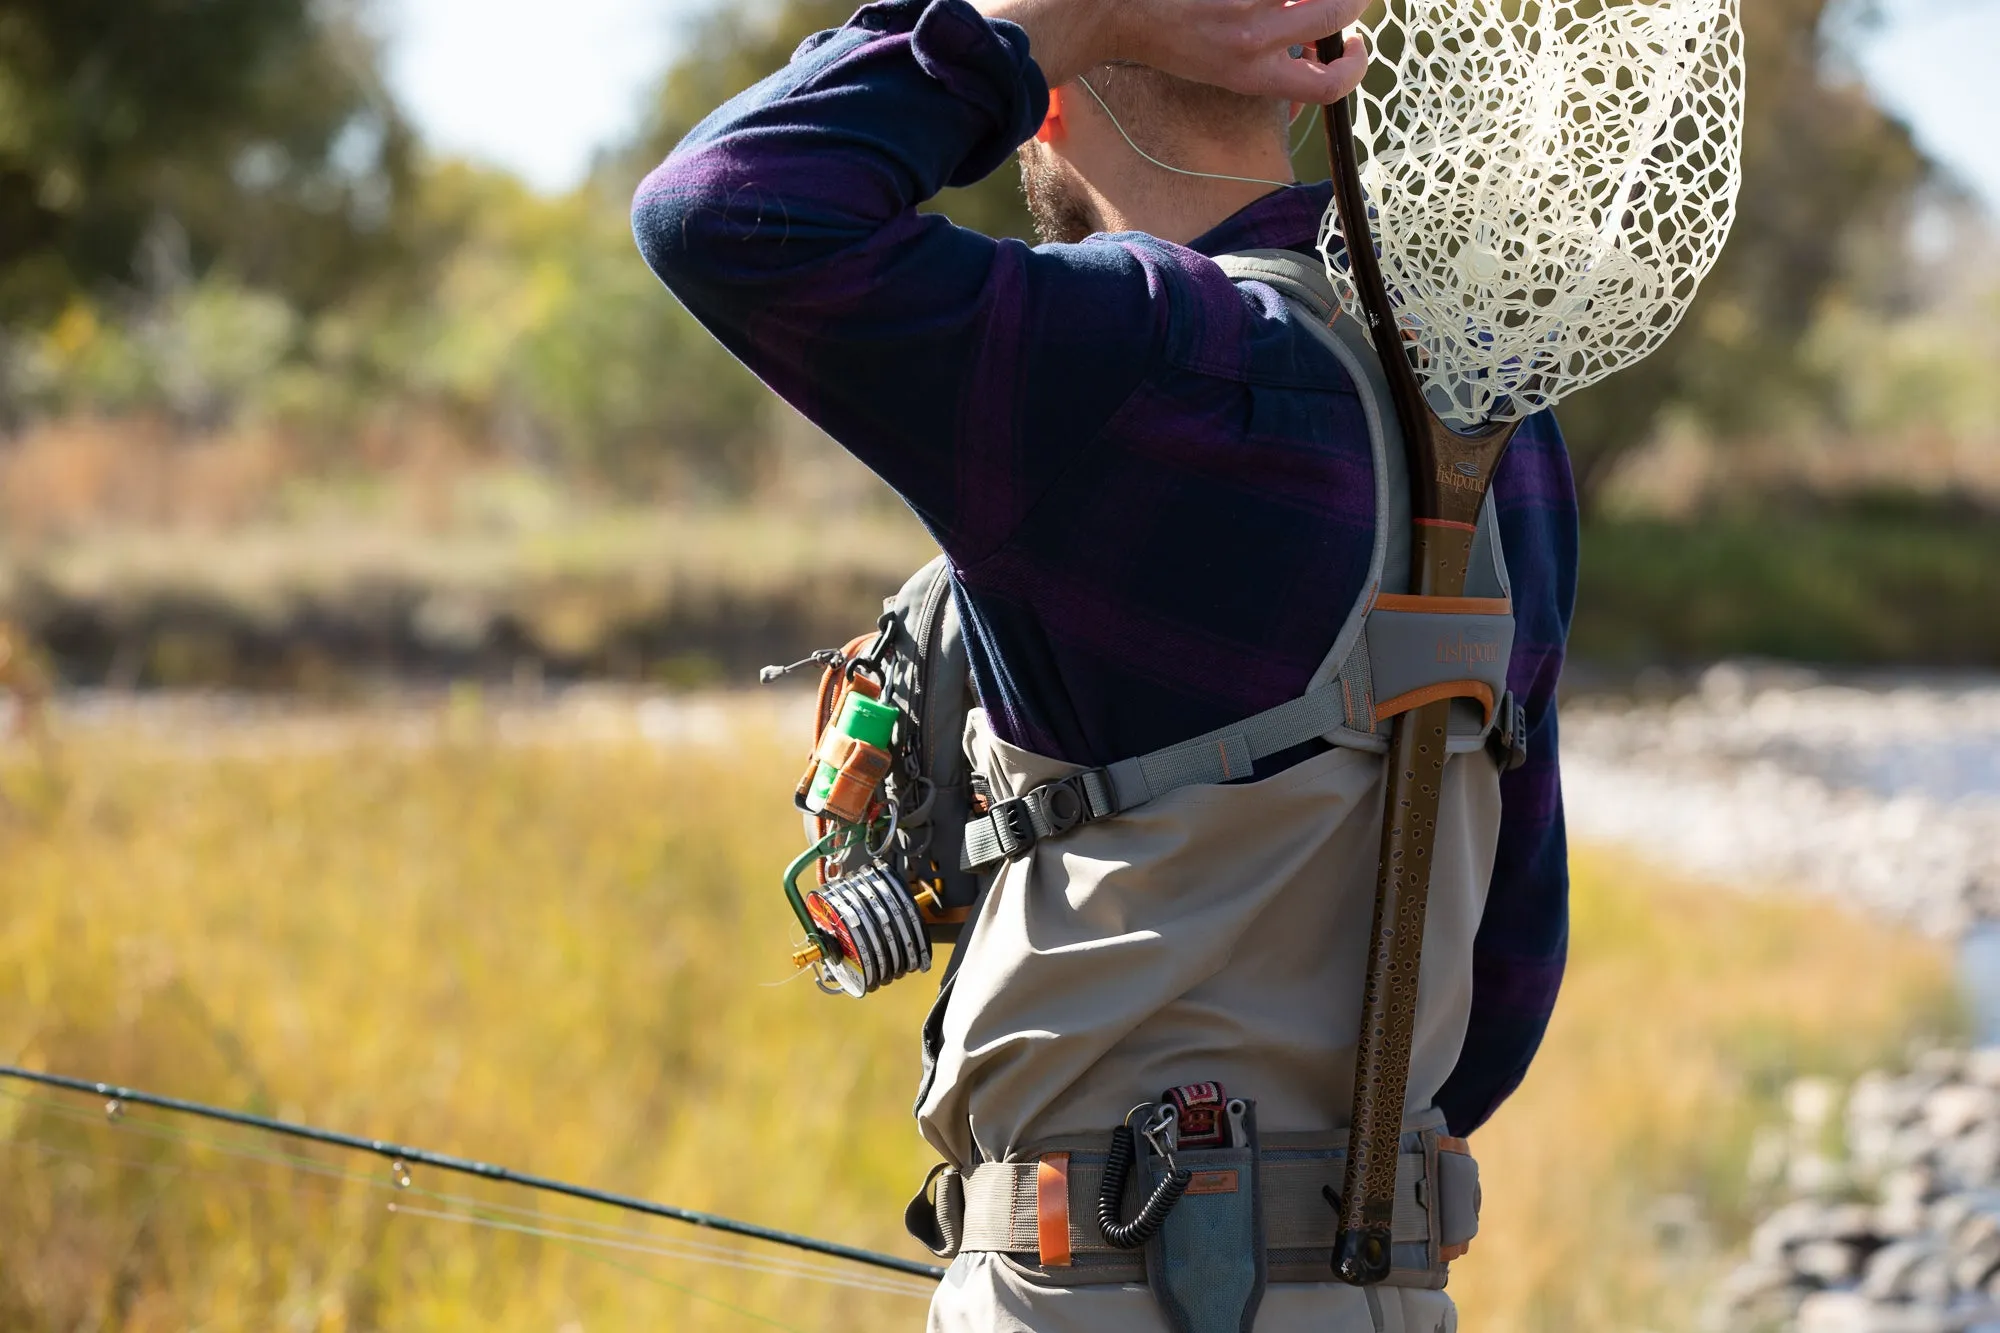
1213	933
1144	1055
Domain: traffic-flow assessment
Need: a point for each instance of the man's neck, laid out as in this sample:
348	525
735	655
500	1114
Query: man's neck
1179	208
1182	212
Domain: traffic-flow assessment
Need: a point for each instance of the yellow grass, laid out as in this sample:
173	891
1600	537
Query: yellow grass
559	953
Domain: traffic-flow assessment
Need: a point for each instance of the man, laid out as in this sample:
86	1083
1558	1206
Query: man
1155	487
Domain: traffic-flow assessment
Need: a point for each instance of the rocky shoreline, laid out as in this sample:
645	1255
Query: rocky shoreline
1887	797
1899	1230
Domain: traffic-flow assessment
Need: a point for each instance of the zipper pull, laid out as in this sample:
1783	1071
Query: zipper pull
827	658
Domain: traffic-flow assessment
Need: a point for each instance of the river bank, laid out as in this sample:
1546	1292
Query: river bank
1884	1192
542	927
681	598
1883	793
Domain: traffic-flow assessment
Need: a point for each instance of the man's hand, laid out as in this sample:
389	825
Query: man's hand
1242	45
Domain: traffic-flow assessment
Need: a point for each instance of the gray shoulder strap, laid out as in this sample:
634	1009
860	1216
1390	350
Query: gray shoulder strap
1385	654
1304	284
1339	704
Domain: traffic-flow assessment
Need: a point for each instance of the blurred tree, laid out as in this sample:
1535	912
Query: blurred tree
539	328
159	134
1828	182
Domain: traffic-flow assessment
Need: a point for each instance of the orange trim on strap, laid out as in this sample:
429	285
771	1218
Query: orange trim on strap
1446	606
1445	523
1430	694
1052	1210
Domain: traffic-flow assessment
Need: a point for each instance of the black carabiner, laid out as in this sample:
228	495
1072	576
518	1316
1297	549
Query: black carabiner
871	660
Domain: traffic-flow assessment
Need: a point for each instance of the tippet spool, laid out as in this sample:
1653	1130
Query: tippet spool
877	925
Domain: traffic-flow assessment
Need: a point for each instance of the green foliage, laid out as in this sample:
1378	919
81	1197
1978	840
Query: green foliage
1828	179
216	214
1889	581
254	132
540	320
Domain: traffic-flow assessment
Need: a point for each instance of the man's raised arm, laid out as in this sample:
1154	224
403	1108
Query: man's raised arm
965	371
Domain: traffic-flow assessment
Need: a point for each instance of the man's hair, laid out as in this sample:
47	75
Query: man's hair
1162	112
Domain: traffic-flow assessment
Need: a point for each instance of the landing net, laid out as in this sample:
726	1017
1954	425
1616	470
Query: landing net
1548	186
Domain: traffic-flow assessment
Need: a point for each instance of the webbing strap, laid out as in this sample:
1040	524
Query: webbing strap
1226	754
1007	1208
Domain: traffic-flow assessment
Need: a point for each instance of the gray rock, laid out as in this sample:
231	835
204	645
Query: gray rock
1961	1107
1831	1263
1930	1283
1905	1208
1972	1160
1789	1227
1891	1271
1850	1312
1975	1250
1941	1061
1755	1284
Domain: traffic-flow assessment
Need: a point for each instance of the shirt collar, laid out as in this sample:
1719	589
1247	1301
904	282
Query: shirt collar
1280	220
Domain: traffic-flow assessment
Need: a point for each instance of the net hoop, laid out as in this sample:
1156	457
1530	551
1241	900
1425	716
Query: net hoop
1548	185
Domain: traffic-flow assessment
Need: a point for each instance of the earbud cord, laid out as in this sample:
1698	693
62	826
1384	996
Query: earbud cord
1178	171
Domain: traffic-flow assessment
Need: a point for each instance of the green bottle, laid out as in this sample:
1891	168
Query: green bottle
845	790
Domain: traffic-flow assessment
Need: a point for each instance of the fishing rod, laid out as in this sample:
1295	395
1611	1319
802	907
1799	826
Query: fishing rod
401	1156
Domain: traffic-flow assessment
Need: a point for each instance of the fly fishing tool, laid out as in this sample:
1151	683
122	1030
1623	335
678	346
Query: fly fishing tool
865	927
1545	187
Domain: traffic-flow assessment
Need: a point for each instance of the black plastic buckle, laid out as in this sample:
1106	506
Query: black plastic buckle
1509	738
1065	804
1012	828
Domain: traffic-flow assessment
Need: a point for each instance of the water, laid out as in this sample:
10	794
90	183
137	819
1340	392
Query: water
1949	769
1944	770
1979	972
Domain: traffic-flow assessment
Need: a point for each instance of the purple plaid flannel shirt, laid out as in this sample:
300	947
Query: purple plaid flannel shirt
1154	486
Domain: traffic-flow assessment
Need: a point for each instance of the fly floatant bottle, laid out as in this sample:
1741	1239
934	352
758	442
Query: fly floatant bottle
852	759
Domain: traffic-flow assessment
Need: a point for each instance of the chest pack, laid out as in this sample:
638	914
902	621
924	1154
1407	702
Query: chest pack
904	836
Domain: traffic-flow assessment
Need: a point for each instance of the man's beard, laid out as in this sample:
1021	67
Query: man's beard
1060	211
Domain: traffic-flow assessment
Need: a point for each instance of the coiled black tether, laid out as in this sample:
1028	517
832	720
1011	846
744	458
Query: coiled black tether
1133	1235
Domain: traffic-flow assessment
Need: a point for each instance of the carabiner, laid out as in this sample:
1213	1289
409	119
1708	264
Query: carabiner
871	660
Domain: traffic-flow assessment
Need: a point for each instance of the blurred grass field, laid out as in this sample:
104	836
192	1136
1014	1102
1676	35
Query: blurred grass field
557	943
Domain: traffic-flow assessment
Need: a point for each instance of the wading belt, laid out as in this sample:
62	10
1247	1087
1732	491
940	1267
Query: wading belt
1040	1210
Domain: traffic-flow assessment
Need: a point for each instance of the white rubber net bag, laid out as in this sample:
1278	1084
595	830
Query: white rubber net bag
1548	185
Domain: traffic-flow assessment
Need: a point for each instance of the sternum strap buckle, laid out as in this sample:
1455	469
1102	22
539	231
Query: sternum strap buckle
1012	827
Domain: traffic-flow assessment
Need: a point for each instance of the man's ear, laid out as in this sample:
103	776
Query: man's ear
1052	124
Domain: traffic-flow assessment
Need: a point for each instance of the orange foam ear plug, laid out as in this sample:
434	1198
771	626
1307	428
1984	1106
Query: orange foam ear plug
1052	123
